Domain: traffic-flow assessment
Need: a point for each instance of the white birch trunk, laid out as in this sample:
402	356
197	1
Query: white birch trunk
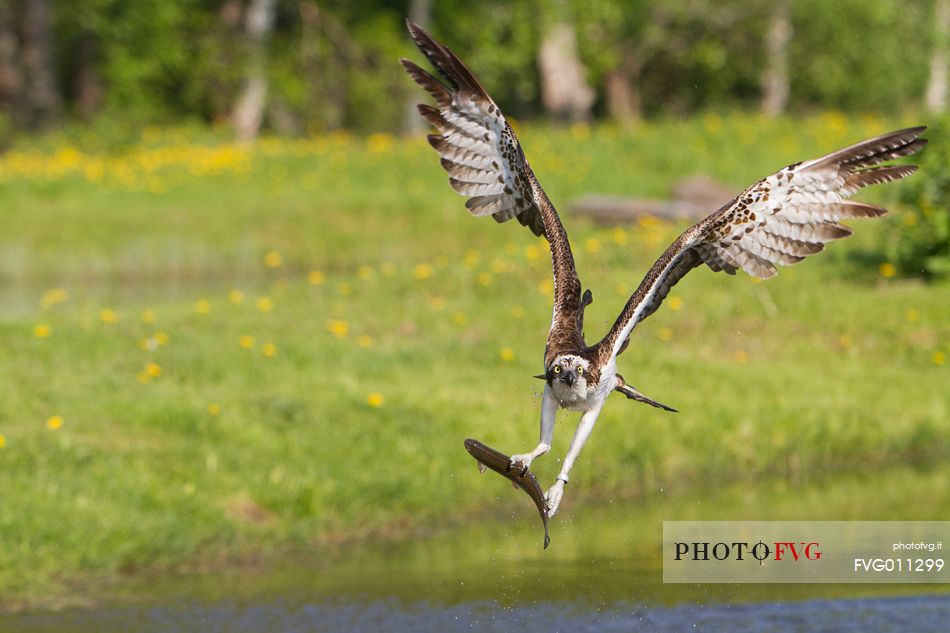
249	109
936	97
564	89
775	80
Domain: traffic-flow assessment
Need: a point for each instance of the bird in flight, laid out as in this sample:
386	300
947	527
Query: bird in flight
781	219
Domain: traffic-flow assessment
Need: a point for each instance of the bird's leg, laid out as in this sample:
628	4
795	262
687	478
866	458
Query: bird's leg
553	496
548	415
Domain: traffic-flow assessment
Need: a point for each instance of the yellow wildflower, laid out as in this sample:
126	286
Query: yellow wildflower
246	342
153	370
506	354
273	259
675	303
3	441
939	358
214	409
143	377
161	337
236	297
483	279
592	245
546	287
42	330
148	316
54	422
316	277
422	271
887	270
202	306
338	328
53	296
459	318
108	316
913	315
471	258
380	142
712	122
742	357
269	350
364	271
265	304
375	400
665	334
365	341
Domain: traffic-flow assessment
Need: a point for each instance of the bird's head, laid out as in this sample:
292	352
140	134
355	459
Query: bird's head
569	369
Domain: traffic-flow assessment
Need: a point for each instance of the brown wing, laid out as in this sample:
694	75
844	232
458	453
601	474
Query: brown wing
485	162
779	220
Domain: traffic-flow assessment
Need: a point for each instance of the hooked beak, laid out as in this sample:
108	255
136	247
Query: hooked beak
568	377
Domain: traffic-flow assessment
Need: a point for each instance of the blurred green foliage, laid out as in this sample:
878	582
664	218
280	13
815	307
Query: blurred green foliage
333	64
918	242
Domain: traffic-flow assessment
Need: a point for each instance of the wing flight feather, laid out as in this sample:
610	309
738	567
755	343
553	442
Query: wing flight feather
485	163
782	219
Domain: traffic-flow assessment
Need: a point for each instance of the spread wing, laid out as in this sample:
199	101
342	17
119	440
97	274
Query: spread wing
779	220
485	162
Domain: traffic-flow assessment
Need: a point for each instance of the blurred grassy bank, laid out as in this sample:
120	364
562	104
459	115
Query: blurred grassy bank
213	349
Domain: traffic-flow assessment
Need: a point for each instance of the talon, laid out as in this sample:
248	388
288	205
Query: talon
519	463
552	498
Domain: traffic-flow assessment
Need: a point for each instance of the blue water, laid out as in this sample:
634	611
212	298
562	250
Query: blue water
920	614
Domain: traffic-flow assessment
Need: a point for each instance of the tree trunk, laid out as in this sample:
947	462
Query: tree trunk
11	82
775	80
564	90
936	97
87	83
40	97
623	92
249	110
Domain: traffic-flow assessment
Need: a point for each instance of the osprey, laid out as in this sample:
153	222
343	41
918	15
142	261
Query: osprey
781	219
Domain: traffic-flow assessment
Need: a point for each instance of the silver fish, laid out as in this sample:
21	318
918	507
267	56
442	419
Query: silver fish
487	457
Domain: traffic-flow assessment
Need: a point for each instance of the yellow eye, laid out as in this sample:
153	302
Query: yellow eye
557	369
580	371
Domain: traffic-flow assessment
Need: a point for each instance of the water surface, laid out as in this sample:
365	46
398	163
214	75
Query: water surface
601	573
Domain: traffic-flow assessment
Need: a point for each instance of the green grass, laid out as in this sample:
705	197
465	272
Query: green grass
826	367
